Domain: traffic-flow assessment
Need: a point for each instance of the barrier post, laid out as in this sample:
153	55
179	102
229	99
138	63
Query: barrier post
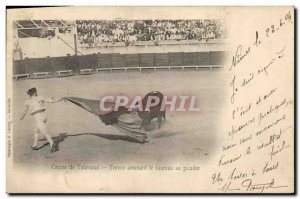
76	64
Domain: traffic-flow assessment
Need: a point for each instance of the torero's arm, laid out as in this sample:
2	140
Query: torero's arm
52	99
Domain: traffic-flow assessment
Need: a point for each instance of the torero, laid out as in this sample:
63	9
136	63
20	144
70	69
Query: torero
36	104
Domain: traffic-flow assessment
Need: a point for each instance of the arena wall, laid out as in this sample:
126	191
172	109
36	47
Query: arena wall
63	45
116	60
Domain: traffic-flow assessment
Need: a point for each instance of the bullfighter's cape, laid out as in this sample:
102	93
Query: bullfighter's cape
122	119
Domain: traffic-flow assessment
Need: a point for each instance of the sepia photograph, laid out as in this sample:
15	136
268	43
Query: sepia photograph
118	96
64	69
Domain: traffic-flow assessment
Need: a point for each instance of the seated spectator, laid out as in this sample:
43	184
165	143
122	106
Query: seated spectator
131	31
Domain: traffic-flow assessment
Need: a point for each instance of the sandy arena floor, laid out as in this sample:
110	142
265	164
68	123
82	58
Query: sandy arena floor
83	138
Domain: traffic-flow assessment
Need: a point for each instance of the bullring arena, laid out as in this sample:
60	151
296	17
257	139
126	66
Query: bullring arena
61	64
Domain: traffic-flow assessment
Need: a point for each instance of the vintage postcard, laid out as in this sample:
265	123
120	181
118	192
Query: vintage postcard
150	100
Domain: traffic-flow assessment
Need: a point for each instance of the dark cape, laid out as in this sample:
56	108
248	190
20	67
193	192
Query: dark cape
122	119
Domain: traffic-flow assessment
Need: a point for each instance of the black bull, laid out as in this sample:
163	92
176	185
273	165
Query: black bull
154	111
146	116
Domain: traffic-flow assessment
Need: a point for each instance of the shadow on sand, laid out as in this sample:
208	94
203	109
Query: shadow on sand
62	136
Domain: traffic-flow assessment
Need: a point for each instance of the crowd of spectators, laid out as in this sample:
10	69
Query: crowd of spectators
95	32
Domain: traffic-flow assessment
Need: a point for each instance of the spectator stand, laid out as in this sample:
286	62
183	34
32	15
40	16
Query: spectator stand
93	33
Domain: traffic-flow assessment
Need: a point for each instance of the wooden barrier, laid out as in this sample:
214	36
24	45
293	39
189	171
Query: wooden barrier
39	65
190	59
66	72
41	74
161	59
21	76
20	67
103	61
217	57
117	61
147	60
132	60
63	63
203	58
86	64
86	71
87	61
175	59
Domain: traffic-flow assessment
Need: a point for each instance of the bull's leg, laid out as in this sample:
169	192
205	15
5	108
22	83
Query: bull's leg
145	124
159	118
164	114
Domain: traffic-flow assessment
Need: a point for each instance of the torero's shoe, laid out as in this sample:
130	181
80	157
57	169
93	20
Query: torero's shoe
52	148
34	148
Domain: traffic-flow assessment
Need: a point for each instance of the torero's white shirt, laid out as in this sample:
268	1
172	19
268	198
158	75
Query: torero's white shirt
37	103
